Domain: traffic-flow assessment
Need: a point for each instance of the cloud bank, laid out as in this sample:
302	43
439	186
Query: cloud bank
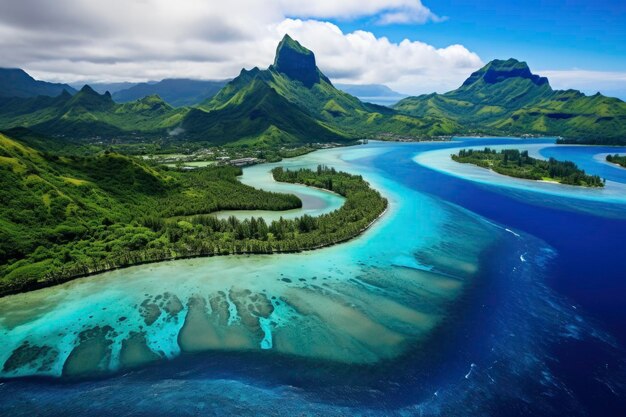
124	40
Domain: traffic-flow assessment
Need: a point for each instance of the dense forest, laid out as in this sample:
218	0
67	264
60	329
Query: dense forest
67	216
518	164
617	159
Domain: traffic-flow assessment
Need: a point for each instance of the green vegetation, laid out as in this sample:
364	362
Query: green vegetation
88	114
518	164
258	115
293	103
159	151
85	212
617	159
67	216
298	87
290	103
363	205
505	98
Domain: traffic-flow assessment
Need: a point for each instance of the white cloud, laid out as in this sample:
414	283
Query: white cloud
123	40
389	11
360	57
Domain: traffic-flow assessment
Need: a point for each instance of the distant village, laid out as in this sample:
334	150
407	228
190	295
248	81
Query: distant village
239	157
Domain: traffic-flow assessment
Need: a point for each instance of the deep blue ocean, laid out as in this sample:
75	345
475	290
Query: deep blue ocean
544	337
587	271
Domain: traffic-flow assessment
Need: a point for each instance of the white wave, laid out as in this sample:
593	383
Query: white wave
472	366
512	232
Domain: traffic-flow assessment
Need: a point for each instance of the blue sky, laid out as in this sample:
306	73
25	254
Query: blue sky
551	34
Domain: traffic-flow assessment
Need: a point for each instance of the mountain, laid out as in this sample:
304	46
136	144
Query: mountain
88	114
297	63
110	87
578	118
294	102
176	91
505	97
497	89
15	82
257	114
372	93
290	102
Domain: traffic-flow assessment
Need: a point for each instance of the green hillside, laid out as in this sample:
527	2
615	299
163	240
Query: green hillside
292	102
302	91
88	114
505	97
62	216
257	114
578	118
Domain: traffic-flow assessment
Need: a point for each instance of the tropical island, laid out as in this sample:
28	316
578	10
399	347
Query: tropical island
91	184
617	159
518	164
68	216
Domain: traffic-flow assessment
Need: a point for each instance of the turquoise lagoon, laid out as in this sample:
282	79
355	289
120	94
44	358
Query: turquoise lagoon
360	302
474	294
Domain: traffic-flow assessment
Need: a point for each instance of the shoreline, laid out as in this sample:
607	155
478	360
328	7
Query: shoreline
601	158
554	182
61	281
616	165
58	281
530	180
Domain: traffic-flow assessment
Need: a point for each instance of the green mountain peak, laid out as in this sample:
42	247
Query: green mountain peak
289	43
296	62
505	97
501	70
89	99
88	90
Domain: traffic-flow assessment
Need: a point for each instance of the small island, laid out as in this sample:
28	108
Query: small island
617	159
516	163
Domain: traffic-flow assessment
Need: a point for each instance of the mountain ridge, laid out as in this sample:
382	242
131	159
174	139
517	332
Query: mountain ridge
15	82
178	92
497	70
296	79
505	97
296	103
88	114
